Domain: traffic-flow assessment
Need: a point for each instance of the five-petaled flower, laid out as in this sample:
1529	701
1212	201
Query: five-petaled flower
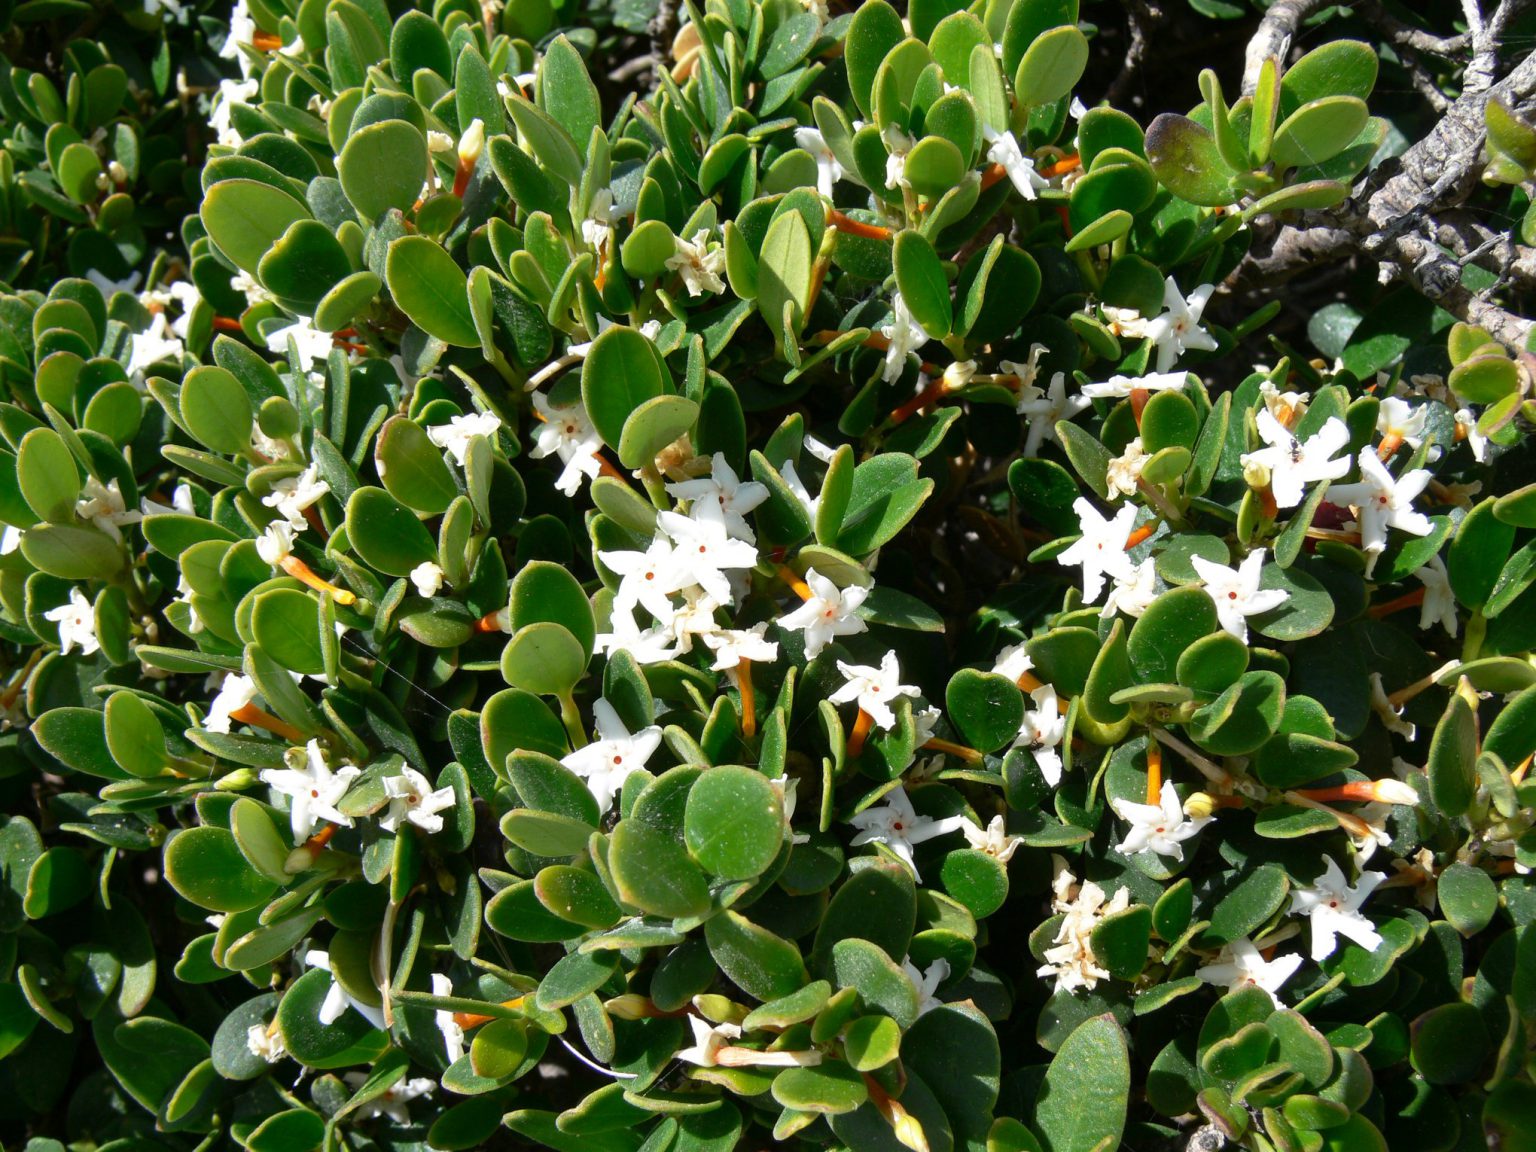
1240	964
1334	909
876	689
1383	501
607	762
412	799
900	827
1177	329
829	613
76	618
1236	591
1160	828
1100	551
1291	463
1045	408
697	264
455	436
313	790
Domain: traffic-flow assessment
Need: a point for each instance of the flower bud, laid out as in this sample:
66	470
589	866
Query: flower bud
439	141
1199	805
959	374
629	1007
471	143
1255	473
234	781
1394	792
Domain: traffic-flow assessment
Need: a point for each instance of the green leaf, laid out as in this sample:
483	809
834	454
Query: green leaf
246	218
733	823
386	534
874	30
829	1088
924	287
1185	158
566	90
431	289
48	476
1051	66
1318	130
654	425
543	658
1082	1101
1452	764
653	873
412	467
784	275
1467	897
986	707
547	592
763	965
206	866
1247	905
216	410
622	370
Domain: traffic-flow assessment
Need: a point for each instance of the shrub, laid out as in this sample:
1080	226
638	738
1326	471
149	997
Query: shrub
770	609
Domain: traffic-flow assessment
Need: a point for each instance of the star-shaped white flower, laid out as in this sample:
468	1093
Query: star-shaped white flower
647	645
1236	591
231	94
1334	908
1119	387
1390	714
454	437
1161	828
904	336
391	1103
1133	595
102	504
649	578
1382	501
1012	662
607	762
150	347
927	983
993	839
1071	961
708	1039
76	618
1044	409
313	790
1100	551
567	432
413	800
830	612
235	693
1241	965
899	826
448	1027
876	689
597	228
1177	329
1003	148
731	646
897	145
291	495
310	343
828	170
706	550
699	267
1293	464
1397	418
724	489
1439	605
1042	732
275	544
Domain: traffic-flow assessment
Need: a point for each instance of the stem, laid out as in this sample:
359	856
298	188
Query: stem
1154	772
743	675
1407	600
1390	443
960	751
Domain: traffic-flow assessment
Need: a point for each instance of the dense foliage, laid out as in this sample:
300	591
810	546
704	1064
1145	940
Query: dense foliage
762	596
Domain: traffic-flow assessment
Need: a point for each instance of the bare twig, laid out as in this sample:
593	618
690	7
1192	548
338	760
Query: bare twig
1407	36
1273	37
1142	17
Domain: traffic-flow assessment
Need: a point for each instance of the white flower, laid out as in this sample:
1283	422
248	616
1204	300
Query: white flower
1124	471
799	491
874	688
454	437
708	1039
830	612
1045	409
450	1029
828	170
567	432
275	544
1439	605
1026	371
646	645
925	723
1396	417
897	145
1178	329
1042	731
1003	148
649	578
102	504
898	826
1334	908
1161	828
110	287
904	335
732	645
181	501
428	578
310	344
249	286
1292	463
291	495
1133	594
705	550
1100	551
412	799
10	539
1071	961
337	999
607	762
1391	715
1374	834
1286	407
699	267
76	619
232	94
1012	662
993	839
313	790
1466	420
1382	501
1236	591
392	1101
154	344
723	488
235	693
597	228
927	983
265	1043
1119	387
1241	965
